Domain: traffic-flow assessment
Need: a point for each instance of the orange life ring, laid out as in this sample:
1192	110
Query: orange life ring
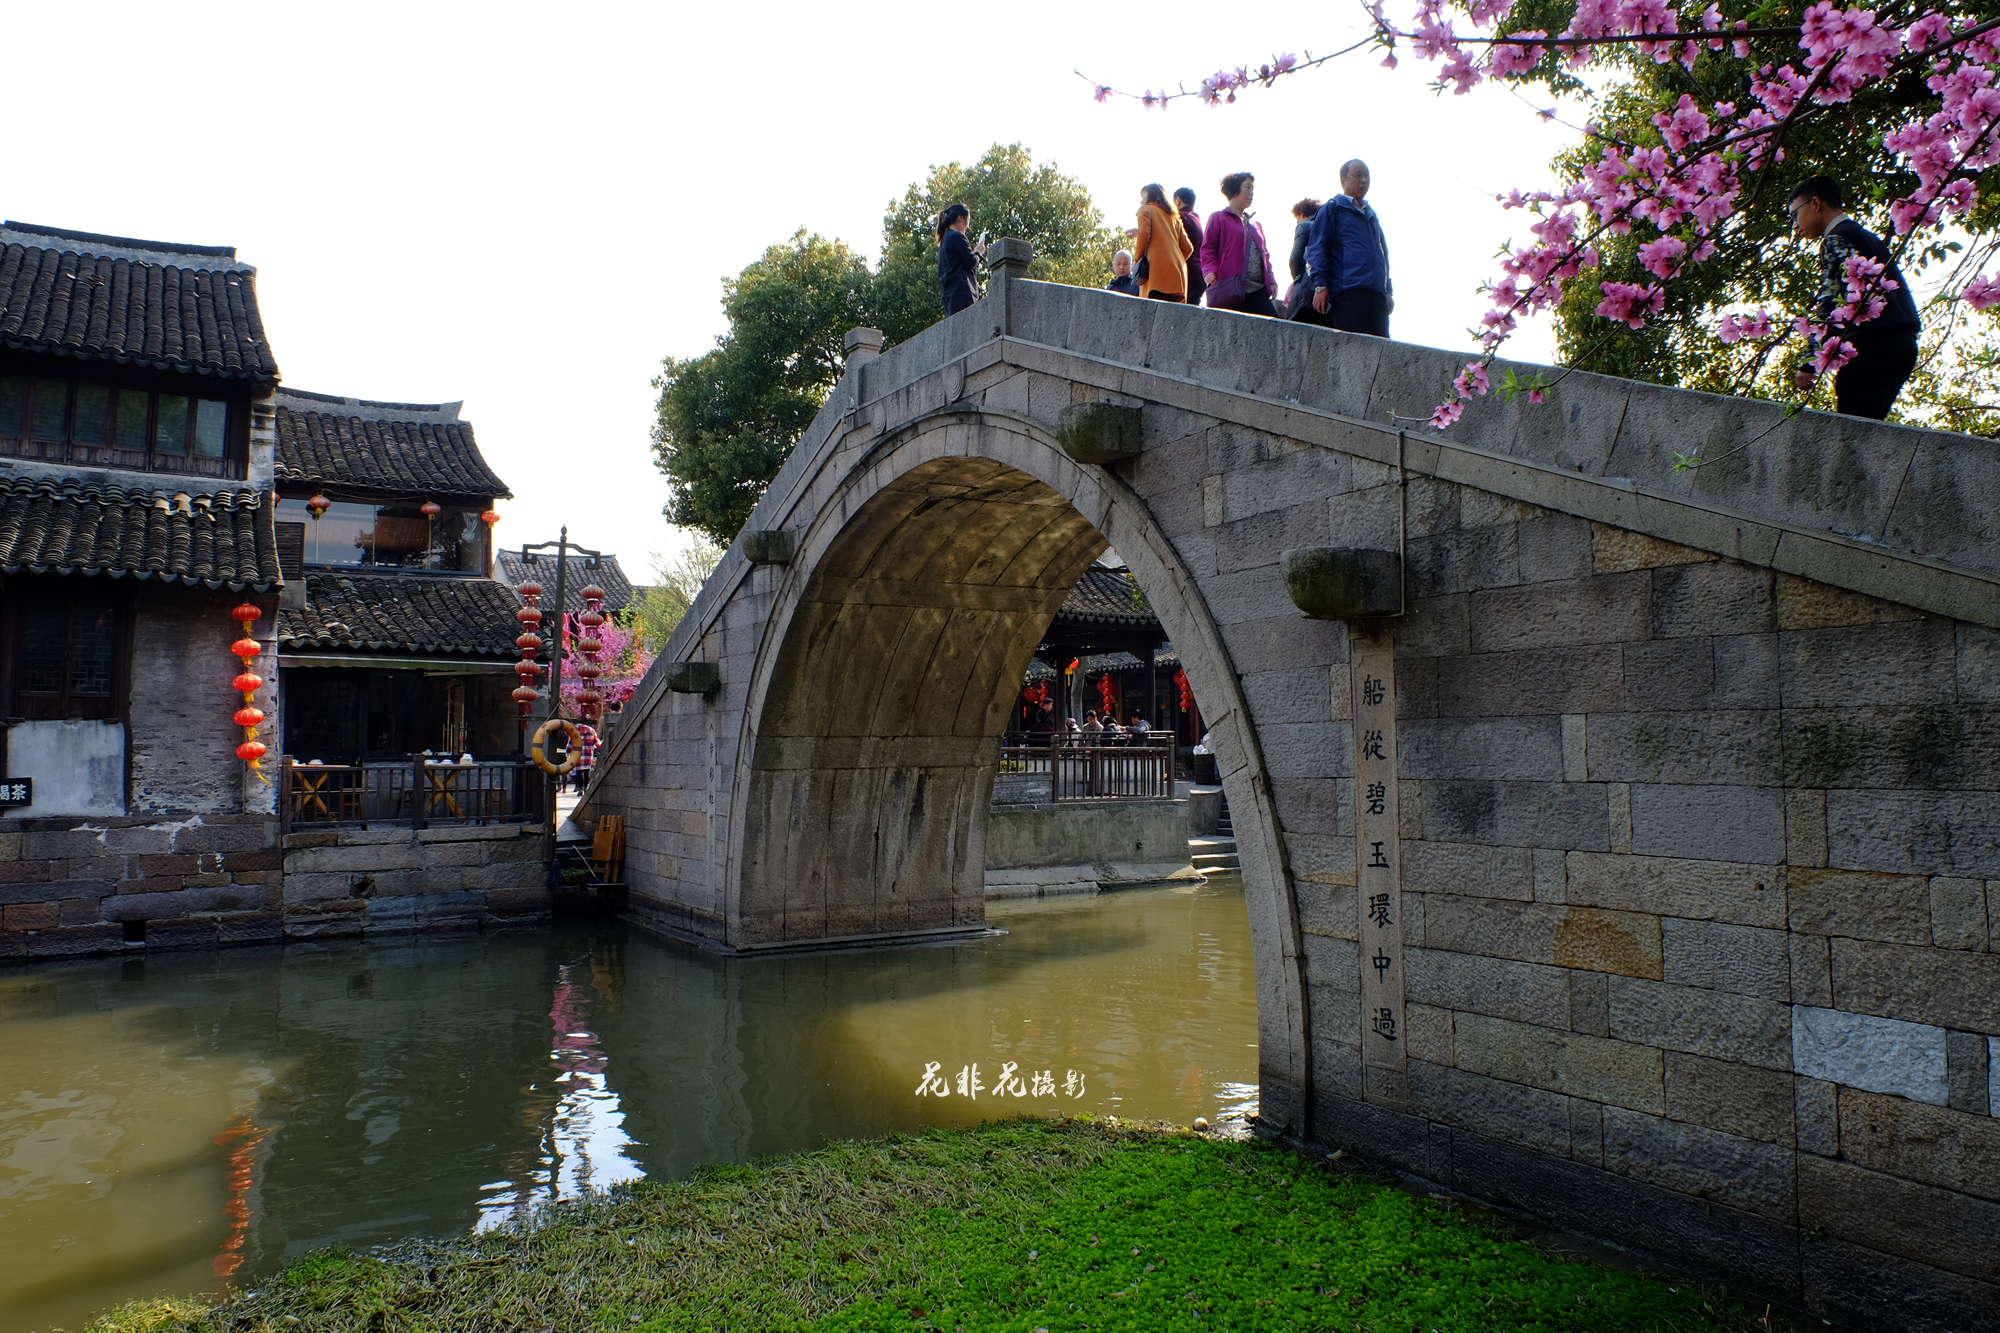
575	746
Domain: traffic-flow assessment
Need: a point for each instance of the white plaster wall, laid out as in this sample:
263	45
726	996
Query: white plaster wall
78	767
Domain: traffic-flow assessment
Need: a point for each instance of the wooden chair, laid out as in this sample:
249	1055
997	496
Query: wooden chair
607	849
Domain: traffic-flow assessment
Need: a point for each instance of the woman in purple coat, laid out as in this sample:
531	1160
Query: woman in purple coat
1235	261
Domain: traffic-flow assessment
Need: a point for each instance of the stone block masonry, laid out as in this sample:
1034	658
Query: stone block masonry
1694	812
72	887
379	881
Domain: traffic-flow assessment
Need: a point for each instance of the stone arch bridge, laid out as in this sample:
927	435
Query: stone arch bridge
1615	838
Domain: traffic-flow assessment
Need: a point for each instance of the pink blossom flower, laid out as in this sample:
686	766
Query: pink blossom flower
1447	413
1471	382
1537	395
1630	302
1661	257
1982	292
1735	327
1832	355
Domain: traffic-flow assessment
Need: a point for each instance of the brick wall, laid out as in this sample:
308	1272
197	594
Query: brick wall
71	886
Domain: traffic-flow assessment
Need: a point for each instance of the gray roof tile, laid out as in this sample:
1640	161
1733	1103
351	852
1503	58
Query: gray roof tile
67	525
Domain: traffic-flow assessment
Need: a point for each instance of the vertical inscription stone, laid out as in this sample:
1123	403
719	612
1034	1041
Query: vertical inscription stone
1385	1066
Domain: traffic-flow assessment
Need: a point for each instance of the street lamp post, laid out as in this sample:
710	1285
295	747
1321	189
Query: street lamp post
532	554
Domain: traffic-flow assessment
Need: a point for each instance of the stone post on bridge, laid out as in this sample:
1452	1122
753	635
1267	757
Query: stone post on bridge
1006	259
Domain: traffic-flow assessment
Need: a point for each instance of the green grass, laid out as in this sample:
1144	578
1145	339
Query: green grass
1030	1224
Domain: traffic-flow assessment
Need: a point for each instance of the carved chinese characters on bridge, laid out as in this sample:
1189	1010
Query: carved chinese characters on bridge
1378	878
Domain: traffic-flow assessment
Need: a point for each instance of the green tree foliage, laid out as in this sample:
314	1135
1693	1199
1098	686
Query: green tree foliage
1757	264
1009	196
675	583
727	419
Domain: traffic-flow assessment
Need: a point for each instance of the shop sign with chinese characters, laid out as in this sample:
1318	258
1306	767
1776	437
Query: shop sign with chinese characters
15	793
1378	877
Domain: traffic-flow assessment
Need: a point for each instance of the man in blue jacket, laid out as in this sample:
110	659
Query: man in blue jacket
1349	259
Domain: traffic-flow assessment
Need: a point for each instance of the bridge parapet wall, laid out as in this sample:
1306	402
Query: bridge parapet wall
1695	807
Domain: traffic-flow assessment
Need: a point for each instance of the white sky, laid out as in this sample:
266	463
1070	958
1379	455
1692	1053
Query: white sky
527	207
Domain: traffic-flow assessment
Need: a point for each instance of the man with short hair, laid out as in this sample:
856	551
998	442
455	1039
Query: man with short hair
1191	223
1121	275
1885	347
1347	259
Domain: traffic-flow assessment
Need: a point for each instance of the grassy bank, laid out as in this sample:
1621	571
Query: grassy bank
1057	1225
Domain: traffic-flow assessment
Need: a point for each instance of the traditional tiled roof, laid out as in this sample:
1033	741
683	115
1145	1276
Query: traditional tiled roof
420	449
420	614
136	303
66	525
1106	597
618	590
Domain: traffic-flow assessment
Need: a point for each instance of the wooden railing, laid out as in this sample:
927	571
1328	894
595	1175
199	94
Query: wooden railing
416	794
1127	768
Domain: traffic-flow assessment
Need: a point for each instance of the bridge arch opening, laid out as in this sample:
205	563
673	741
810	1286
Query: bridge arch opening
876	745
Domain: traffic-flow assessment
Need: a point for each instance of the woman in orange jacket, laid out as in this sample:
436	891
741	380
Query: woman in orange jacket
1163	246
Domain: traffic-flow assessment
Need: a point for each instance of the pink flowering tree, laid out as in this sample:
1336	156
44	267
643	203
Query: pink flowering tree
624	659
1654	249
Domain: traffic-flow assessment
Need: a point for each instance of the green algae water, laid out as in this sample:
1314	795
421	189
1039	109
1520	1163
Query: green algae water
178	1122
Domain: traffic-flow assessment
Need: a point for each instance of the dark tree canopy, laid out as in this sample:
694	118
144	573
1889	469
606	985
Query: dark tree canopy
727	419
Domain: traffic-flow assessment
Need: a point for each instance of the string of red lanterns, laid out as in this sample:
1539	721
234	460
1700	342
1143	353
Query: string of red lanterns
590	702
249	716
529	643
1187	693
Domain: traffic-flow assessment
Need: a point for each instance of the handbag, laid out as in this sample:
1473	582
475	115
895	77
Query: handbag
1228	288
1145	268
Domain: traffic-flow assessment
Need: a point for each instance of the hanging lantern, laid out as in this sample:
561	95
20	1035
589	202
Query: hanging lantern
1107	691
1187	694
589	700
489	518
529	642
249	716
318	505
431	508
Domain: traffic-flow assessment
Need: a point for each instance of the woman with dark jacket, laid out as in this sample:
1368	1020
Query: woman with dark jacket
958	267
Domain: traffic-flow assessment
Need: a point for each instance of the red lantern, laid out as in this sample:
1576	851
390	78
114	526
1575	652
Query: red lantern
247	682
593	593
490	517
318	506
431	508
527	641
1187	694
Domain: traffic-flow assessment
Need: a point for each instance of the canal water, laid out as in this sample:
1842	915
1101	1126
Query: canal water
172	1123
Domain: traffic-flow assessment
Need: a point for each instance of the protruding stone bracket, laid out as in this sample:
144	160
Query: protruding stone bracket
1329	583
767	546
1099	433
694	678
